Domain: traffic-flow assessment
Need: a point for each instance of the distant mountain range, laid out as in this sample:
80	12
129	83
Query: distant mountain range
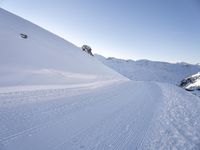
183	74
146	70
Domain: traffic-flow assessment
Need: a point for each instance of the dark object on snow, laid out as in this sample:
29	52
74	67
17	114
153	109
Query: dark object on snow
189	90
24	36
185	83
87	49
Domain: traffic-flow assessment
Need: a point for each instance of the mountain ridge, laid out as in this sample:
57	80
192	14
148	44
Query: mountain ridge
54	96
146	70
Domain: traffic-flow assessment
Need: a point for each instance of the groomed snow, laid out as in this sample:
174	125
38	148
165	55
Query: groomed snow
121	115
53	96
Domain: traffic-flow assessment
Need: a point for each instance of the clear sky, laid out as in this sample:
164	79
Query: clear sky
164	30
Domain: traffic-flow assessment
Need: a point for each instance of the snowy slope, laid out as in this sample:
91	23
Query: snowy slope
43	58
145	70
53	96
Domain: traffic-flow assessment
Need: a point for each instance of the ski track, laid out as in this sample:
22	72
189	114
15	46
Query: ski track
30	114
177	124
76	103
121	130
116	116
87	118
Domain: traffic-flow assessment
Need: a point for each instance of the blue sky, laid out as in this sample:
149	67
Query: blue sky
163	30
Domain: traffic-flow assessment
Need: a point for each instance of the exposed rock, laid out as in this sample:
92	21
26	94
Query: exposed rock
24	35
191	83
87	49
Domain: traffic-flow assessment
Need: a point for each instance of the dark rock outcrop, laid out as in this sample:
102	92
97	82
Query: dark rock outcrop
87	49
24	36
191	83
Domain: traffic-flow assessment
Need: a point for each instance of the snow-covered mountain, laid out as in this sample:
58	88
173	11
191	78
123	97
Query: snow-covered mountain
43	58
145	70
192	83
54	96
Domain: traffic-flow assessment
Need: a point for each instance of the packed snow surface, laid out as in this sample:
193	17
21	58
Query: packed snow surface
53	96
119	115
